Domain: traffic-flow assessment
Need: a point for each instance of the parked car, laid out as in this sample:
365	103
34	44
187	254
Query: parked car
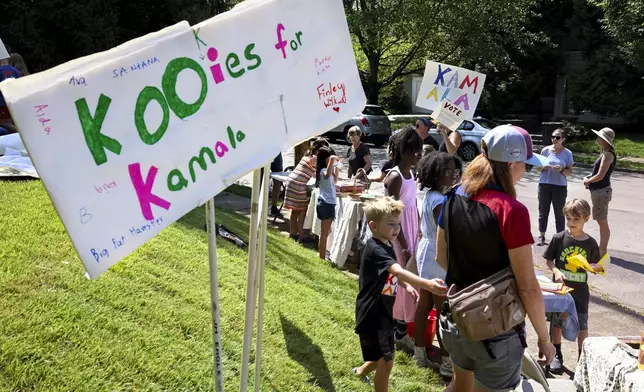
471	131
373	122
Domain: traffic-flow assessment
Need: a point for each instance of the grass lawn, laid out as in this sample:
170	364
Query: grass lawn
590	159
626	145
398	124
145	325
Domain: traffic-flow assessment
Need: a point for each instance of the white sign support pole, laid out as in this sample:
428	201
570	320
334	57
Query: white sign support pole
261	265
214	295
250	282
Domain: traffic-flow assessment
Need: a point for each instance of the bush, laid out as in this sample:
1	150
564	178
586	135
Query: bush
394	100
576	132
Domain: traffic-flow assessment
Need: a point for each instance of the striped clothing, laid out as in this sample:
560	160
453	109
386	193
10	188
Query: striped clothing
296	197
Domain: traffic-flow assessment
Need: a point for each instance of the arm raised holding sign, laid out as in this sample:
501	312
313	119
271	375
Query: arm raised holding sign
451	139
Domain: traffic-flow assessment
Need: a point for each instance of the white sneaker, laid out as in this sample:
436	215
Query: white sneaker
405	344
422	360
446	368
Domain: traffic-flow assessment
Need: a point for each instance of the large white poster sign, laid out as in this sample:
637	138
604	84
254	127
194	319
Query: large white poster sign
443	82
129	140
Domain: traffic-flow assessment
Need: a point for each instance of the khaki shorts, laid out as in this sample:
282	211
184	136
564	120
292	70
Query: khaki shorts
600	199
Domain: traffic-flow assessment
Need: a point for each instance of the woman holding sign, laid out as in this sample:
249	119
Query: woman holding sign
451	143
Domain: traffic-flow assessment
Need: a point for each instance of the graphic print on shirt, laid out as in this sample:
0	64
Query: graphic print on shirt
391	285
571	251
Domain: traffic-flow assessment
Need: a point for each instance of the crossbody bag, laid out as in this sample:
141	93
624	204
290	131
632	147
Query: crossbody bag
487	308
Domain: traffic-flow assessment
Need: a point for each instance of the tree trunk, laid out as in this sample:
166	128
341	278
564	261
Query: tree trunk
373	86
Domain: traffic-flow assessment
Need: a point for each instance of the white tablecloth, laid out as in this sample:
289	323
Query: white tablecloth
348	216
607	364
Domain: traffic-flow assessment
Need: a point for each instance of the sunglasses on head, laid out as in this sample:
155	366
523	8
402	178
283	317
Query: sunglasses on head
557	137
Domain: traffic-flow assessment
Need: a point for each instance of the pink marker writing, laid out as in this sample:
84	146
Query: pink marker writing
144	190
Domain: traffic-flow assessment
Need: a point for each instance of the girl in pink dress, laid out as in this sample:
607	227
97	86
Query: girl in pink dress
401	184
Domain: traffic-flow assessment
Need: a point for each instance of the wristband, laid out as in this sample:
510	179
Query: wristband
544	341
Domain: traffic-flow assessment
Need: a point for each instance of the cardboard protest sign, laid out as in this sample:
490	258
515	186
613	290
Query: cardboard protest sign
459	86
449	115
129	140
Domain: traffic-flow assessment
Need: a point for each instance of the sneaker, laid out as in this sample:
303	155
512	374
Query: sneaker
541	241
294	237
446	367
365	379
556	367
422	360
406	344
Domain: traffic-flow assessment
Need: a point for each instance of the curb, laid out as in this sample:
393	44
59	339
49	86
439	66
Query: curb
618	169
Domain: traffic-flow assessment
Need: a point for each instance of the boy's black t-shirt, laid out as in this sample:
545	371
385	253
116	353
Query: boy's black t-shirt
375	303
562	246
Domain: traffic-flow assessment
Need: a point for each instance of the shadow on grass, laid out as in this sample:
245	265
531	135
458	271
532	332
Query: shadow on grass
302	350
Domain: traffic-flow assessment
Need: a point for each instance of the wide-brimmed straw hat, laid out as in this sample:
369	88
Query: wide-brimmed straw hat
607	134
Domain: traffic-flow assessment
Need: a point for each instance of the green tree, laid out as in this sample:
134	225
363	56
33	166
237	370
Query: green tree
624	20
394	38
610	84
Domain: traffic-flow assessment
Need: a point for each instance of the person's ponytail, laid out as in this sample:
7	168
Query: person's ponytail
483	172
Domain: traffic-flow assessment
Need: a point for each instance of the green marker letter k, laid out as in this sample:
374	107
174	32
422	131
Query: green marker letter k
96	141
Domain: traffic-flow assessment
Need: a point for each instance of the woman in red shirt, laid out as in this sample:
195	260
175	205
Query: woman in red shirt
489	231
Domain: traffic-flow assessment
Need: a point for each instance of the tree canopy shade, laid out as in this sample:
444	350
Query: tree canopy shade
624	20
50	32
394	38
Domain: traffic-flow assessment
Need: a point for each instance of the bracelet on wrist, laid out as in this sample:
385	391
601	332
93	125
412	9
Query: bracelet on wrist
544	341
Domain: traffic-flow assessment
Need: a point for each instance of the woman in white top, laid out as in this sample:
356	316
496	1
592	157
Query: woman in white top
553	183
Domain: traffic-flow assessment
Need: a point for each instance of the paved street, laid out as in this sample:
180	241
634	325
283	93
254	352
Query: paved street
625	278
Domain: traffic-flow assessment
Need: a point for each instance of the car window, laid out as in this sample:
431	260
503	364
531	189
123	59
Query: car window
373	111
466	126
487	124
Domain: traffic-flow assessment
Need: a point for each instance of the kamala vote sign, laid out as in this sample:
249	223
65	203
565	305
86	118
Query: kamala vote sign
129	140
459	86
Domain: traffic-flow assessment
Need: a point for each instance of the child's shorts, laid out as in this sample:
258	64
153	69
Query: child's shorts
376	345
581	296
325	210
